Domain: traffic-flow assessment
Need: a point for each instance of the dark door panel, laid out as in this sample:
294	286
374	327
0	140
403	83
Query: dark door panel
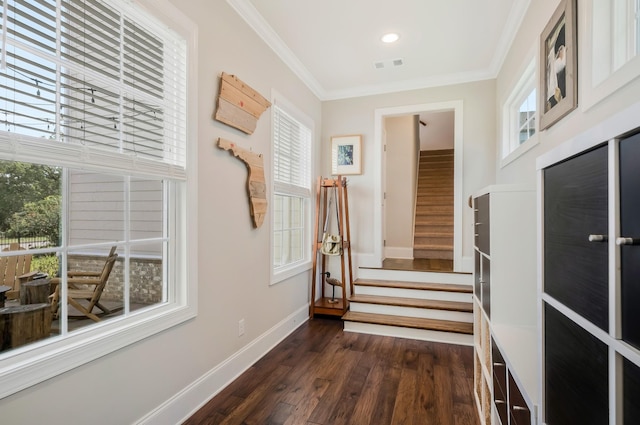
576	270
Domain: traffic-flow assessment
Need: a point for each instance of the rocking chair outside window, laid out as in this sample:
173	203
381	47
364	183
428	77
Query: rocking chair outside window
85	289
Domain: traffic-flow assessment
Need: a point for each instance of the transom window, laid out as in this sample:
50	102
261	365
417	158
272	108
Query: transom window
519	117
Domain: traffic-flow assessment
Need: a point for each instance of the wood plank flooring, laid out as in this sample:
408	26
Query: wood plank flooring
320	375
418	264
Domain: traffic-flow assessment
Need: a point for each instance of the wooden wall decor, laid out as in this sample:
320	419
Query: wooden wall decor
256	186
239	105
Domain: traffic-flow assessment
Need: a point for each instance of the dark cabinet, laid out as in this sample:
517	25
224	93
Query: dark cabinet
629	239
486	285
510	404
576	271
482	225
575	373
518	409
499	383
590	310
631	390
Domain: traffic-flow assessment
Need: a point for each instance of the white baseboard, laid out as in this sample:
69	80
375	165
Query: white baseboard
467	265
398	252
186	402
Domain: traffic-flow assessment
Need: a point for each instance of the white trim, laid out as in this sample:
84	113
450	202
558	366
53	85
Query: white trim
289	270
398	252
248	12
190	399
592	94
612	127
378	149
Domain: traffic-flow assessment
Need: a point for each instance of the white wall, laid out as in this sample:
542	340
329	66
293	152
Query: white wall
524	48
356	116
234	262
402	159
438	133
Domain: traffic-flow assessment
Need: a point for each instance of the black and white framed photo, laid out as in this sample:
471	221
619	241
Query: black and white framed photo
558	90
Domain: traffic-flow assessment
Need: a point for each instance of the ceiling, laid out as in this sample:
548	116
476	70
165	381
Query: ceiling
332	45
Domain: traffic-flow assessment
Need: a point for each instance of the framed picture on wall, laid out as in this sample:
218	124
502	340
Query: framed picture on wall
346	155
558	89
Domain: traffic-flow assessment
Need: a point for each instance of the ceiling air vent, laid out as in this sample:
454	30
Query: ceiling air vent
389	63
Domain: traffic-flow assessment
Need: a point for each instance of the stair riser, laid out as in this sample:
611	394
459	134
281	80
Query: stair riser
419	334
413	293
433	240
433	254
410	276
430	206
424	313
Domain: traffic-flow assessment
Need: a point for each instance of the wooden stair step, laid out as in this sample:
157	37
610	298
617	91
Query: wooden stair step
410	322
434	234
433	247
427	286
413	302
433	254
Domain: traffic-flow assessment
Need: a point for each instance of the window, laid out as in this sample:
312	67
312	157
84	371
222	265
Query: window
612	48
519	117
93	136
291	191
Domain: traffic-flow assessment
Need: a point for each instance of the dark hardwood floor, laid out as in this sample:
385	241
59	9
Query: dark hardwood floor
320	375
418	264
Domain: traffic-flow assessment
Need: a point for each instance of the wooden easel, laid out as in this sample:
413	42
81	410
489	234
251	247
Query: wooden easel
324	189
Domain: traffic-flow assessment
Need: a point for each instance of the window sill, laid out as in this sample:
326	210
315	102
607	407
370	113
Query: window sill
287	272
29	365
520	150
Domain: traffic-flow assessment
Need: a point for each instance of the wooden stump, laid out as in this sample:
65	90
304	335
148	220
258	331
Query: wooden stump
23	324
3	290
35	291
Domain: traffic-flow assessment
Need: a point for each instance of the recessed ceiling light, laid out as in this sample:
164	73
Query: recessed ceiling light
391	37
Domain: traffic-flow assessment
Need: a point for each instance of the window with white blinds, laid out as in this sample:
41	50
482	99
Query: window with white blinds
292	153
291	192
97	89
98	79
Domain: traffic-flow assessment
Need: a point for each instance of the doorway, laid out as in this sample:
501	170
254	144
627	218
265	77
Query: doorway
381	191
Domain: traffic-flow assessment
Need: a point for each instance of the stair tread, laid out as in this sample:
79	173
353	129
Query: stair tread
466	307
433	234
410	322
433	246
428	286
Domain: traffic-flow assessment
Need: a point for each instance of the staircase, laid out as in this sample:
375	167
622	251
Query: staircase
419	305
433	235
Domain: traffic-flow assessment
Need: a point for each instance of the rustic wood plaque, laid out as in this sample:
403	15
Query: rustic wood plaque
256	186
239	105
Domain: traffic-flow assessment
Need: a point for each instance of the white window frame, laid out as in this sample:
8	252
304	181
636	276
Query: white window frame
278	274
511	146
31	364
610	57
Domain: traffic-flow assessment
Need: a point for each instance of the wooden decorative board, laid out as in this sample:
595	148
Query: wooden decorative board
239	105
256	186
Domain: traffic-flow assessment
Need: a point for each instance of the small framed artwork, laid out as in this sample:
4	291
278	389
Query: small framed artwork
558	89
346	155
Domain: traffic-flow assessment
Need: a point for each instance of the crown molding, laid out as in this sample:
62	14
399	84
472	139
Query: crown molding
513	23
252	17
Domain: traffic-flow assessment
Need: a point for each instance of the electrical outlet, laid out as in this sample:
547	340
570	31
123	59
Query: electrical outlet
241	327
